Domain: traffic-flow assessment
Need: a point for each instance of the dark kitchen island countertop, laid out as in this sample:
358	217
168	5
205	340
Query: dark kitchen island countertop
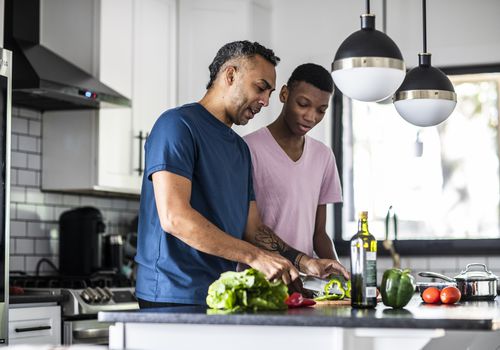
477	315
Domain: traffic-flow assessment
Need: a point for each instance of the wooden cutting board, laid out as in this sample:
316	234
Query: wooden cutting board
342	302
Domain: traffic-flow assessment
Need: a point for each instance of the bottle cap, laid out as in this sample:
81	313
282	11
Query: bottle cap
363	215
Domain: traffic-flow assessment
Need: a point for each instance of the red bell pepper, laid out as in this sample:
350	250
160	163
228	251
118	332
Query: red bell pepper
297	300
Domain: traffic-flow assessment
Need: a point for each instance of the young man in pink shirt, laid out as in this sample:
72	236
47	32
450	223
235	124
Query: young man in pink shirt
294	175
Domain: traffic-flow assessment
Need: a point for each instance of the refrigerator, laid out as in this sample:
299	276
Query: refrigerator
5	127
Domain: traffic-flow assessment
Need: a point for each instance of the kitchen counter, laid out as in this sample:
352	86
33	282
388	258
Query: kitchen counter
484	315
338	327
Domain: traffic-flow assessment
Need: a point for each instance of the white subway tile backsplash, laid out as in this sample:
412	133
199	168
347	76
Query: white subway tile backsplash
59	210
13	211
27	177
24	246
464	261
53	198
443	264
37	229
119	204
18	159
13	177
34	196
17	194
71	200
14	141
34	162
17	228
27	212
19	125
494	263
45	213
34	214
133	205
28	113
16	263
28	143
383	263
35	128
31	263
42	247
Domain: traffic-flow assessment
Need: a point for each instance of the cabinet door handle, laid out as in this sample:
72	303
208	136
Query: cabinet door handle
32	329
141	137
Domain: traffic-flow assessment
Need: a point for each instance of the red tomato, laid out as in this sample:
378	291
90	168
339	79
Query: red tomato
431	295
450	295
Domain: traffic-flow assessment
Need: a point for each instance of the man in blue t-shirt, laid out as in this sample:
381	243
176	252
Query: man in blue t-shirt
198	216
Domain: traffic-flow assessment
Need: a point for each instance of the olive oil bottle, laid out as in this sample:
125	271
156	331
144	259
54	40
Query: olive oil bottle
363	266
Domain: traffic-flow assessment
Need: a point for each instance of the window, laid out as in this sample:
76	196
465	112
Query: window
442	183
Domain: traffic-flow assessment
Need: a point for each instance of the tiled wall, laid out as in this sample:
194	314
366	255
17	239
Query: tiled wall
35	214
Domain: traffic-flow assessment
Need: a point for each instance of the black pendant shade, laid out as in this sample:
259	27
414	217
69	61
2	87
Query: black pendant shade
368	42
426	97
425	77
368	65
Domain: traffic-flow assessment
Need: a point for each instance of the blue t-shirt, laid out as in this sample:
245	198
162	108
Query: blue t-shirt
189	141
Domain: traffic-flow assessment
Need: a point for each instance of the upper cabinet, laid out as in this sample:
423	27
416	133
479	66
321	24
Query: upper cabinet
135	54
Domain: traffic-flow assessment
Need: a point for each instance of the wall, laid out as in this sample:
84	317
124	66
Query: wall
459	32
34	214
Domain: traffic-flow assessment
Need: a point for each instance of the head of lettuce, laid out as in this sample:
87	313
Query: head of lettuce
246	290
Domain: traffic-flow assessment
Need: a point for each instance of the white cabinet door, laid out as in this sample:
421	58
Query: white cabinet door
115	135
35	325
138	59
136	56
155	67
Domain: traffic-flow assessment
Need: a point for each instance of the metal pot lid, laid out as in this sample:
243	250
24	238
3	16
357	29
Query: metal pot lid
476	272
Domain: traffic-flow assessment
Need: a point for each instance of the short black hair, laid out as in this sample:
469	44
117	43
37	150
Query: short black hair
313	74
237	49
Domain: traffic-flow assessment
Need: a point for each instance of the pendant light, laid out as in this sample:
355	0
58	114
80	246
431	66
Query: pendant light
427	96
368	65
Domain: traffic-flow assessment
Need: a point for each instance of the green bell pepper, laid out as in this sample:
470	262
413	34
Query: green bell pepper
397	287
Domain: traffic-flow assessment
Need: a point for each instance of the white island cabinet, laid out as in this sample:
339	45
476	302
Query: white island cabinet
135	54
466	325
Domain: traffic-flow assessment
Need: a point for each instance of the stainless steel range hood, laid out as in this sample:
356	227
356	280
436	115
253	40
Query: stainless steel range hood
42	79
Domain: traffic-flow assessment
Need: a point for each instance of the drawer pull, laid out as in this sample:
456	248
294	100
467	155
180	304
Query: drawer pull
31	329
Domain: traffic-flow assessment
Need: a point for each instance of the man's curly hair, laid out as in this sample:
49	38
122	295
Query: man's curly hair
237	49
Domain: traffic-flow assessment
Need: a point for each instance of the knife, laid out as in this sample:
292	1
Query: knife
317	285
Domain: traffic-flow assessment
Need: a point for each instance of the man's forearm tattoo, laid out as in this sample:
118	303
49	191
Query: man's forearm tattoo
268	240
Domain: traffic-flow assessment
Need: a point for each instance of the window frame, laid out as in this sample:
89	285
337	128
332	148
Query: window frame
441	247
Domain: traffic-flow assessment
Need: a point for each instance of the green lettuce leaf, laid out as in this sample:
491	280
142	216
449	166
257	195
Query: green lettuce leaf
246	290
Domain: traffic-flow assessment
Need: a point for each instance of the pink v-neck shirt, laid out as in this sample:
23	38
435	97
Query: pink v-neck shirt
288	193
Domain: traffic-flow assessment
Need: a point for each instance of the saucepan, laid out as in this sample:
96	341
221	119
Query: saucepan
475	282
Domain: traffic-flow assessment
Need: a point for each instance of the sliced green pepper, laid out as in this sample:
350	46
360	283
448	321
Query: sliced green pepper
348	289
330	297
333	282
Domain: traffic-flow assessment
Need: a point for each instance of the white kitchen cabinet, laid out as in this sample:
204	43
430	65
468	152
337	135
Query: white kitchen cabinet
101	150
204	26
34	324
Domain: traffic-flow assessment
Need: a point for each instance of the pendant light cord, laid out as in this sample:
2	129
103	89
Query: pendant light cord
367	6
424	24
384	18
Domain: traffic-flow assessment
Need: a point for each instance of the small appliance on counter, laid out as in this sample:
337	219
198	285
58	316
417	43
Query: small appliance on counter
79	241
